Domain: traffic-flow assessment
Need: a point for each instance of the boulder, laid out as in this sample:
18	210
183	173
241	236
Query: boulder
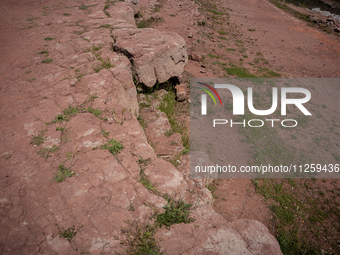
134	5
155	56
122	10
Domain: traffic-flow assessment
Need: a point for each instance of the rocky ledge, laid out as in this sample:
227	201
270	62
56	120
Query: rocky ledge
81	176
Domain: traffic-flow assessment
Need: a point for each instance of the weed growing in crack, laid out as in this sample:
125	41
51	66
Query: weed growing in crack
104	63
168	106
141	121
95	112
212	187
143	179
65	136
121	122
70	111
60	118
65	116
146	182
69	233
176	212
131	207
104	133
46	152
140	239
78	74
113	146
39	139
97	68
62	173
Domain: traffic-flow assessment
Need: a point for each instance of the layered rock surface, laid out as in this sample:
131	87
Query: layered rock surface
86	74
155	56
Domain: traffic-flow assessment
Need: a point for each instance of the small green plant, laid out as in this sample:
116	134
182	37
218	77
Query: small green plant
212	187
93	97
104	133
62	173
145	23
141	121
96	112
60	118
146	182
67	233
140	239
176	212
79	74
59	129
106	63
71	111
47	60
39	139
46	152
273	74
43	52
97	68
48	39
131	207
66	14
31	79
113	146
142	161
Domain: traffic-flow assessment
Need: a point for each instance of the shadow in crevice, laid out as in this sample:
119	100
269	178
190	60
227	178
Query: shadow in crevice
168	85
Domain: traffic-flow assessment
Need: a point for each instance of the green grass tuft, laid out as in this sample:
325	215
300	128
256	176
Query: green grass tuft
176	212
239	72
113	146
39	139
62	173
